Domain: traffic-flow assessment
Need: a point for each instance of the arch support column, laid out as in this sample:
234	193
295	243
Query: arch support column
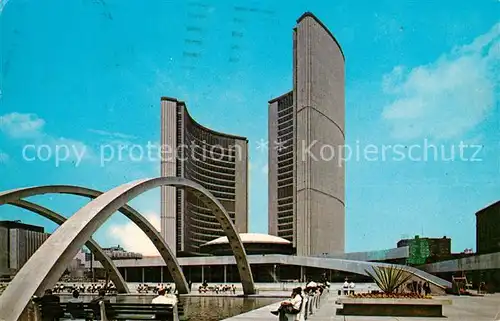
107	263
48	263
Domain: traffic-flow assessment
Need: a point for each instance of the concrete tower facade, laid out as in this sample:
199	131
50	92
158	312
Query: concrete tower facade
306	126
217	161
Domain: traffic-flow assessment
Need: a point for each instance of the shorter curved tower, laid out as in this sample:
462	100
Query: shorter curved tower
217	161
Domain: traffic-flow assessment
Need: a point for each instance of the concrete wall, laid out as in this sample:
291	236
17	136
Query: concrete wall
168	168
241	183
473	263
273	170
320	107
4	250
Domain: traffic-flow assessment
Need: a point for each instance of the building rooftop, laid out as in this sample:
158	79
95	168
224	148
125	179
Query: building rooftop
311	15
252	238
19	225
487	208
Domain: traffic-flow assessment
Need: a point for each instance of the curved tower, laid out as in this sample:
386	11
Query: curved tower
217	161
306	175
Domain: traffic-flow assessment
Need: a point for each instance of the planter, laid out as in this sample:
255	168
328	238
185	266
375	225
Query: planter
401	307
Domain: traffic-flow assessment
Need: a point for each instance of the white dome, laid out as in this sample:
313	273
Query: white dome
251	238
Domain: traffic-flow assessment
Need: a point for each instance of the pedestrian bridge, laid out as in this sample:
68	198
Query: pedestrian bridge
351	266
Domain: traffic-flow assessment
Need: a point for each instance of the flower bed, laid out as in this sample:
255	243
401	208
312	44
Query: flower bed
389	296
392	305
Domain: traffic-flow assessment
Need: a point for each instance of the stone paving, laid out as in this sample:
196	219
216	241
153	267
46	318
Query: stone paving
464	308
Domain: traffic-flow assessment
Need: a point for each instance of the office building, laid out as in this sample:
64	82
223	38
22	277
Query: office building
18	242
306	135
488	229
217	161
424	250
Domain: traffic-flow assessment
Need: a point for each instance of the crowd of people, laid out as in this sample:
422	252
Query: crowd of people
419	287
91	288
144	288
222	288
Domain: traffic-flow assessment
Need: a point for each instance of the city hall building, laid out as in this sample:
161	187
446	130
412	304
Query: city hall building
217	161
306	193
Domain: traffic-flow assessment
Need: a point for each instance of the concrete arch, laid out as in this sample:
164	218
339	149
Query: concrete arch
163	248
107	263
55	253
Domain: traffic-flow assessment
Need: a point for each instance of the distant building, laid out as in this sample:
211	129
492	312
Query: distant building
119	253
18	242
254	244
423	250
215	160
488	229
306	190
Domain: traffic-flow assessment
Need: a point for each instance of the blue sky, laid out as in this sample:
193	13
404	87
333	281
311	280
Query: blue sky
88	73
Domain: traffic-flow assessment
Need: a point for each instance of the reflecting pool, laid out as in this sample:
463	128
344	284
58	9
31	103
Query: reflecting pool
202	308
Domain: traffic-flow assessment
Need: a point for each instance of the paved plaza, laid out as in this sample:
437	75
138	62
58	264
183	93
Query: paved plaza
464	308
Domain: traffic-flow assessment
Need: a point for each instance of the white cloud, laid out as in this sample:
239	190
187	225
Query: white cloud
265	169
19	125
30	126
446	98
4	158
133	239
3	3
111	134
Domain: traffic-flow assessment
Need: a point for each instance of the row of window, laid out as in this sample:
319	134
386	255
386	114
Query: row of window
285	191
285	227
285	207
285	175
285	182
205	135
285	169
286	200
285	128
285	101
285	214
212	185
287	138
192	171
283	220
285	157
211	170
285	119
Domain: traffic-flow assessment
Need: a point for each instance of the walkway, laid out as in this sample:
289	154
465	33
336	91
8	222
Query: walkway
464	308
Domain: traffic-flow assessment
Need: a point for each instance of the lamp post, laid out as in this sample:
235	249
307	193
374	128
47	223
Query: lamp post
275	277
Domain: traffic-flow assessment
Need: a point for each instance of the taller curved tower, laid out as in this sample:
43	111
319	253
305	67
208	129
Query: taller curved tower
307	182
217	161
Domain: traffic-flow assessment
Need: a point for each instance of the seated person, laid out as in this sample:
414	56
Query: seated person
101	297
164	299
49	306
75	306
95	304
291	306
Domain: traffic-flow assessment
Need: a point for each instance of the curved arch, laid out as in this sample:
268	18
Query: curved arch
107	263
55	253
155	237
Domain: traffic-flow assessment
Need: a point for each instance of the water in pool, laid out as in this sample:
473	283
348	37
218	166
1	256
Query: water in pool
204	308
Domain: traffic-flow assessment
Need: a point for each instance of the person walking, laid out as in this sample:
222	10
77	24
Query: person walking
345	287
